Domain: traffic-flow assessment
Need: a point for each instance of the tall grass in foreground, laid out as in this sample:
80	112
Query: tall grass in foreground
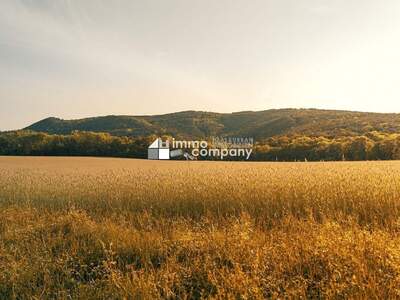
113	229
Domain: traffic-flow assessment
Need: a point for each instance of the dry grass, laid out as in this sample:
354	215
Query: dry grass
87	228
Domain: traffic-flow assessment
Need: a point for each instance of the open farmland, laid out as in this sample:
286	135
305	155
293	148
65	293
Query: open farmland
97	228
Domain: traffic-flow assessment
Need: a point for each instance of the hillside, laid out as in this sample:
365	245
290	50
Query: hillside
260	124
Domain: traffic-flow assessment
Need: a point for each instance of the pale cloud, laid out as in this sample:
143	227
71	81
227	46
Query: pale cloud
81	58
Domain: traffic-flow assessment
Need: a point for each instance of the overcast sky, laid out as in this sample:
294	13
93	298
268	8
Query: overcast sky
73	59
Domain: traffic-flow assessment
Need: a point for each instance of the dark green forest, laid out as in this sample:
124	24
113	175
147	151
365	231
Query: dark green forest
372	146
75	144
279	135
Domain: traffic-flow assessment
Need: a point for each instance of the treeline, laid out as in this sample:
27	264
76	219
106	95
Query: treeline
371	146
76	144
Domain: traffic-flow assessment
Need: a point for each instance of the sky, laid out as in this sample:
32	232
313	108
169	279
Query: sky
74	59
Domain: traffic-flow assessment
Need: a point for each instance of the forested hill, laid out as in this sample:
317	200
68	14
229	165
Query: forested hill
280	135
260	124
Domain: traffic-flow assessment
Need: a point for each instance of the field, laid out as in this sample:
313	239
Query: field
92	228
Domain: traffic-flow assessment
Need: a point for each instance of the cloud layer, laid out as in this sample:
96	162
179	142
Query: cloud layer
80	58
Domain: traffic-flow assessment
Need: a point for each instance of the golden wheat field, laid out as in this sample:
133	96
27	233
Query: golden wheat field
97	228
